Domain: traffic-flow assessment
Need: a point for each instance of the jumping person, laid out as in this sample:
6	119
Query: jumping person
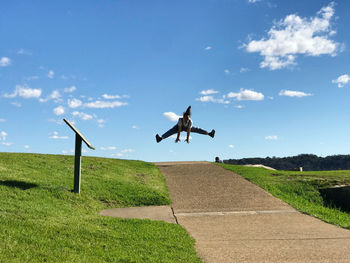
184	124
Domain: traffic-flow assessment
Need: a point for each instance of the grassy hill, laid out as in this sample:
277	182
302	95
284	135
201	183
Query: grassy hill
42	220
301	190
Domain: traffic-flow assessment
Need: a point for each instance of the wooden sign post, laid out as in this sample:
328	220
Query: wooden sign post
77	163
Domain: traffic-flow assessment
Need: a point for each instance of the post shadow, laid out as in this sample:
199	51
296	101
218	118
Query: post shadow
18	184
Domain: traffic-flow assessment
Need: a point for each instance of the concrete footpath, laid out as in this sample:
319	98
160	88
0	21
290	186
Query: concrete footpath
233	220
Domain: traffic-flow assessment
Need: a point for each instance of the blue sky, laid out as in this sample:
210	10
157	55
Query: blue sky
271	77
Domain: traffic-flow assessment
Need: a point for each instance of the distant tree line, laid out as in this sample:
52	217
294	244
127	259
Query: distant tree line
309	162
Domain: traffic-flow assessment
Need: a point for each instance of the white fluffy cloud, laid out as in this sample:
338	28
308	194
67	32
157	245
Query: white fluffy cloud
24	52
109	148
70	90
242	70
342	80
246	94
55	136
212	99
3	136
5	61
293	93
82	115
111	97
171	116
74	103
51	74
208	48
231	146
208	92
271	137
105	104
55	95
59	110
296	35
24	92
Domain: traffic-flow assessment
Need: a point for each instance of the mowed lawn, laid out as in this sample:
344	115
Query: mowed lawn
300	189
42	220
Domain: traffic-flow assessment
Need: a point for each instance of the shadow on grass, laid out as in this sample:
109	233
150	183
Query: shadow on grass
18	184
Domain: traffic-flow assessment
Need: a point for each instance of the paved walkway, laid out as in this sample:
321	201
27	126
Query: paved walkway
233	220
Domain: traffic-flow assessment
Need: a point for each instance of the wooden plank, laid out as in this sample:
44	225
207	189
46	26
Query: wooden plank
88	144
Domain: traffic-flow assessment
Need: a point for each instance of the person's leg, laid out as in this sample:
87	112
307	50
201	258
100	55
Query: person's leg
199	130
170	132
204	132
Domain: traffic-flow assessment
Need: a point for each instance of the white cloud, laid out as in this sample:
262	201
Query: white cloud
7	143
209	92
212	99
101	121
55	95
123	152
26	147
206	99
127	151
55	136
231	146
2	120
74	103
17	104
109	148
171	116
246	94
105	104
59	110
242	70
239	106
296	35
292	93
51	74
66	152
5	61
208	48
82	115
24	92
227	71
24	52
3	135
271	137
111	97
135	127
341	80
32	78
253	1
70	90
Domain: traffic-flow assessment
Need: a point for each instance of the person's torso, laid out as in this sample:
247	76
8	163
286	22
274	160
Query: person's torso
184	124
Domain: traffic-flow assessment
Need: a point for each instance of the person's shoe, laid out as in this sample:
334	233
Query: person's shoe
212	133
158	138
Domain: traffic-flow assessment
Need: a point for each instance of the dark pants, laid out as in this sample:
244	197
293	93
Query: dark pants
174	130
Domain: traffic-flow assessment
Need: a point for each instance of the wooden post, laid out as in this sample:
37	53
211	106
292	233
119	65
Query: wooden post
77	164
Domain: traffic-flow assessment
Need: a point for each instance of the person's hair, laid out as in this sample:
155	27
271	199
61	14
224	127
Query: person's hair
188	111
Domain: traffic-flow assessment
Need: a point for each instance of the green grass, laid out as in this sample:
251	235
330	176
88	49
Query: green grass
41	220
300	189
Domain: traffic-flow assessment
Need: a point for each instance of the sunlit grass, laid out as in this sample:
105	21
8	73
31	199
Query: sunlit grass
300	189
42	220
